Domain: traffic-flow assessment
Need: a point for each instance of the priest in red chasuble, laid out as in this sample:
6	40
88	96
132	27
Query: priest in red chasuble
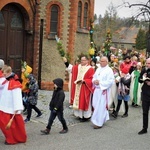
81	89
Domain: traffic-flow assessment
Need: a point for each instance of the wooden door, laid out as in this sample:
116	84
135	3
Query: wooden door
12	37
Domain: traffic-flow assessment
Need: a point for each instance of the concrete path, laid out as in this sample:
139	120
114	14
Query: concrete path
116	134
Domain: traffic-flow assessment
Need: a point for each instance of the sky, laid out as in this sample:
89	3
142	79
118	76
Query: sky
102	5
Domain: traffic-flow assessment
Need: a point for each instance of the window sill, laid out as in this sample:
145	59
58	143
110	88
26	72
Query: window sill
51	38
82	30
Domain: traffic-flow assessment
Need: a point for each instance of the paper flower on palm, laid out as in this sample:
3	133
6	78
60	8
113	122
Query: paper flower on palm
91	51
60	46
57	39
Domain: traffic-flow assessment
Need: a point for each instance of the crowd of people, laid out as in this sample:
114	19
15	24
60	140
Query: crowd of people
97	87
101	83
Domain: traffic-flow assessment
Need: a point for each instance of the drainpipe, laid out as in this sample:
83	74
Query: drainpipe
40	53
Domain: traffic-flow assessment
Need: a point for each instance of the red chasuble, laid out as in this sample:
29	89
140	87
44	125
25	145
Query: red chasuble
86	88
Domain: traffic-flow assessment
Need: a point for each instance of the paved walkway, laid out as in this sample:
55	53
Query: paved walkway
43	105
116	134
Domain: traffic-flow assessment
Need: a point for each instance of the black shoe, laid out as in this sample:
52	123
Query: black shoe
6	143
136	105
26	120
133	103
97	127
63	131
143	131
124	115
84	119
115	114
39	115
46	131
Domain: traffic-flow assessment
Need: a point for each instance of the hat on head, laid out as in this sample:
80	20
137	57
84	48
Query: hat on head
1	63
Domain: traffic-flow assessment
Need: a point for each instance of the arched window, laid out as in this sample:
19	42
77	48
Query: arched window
85	20
54	21
79	14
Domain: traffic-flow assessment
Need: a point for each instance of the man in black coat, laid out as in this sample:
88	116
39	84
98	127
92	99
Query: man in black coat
145	79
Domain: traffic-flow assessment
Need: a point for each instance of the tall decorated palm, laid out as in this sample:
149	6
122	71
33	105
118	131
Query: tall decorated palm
92	50
107	43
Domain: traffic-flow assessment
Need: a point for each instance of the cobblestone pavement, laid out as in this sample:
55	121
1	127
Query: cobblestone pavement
43	105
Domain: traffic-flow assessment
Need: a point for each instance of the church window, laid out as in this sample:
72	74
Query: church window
79	14
54	24
85	20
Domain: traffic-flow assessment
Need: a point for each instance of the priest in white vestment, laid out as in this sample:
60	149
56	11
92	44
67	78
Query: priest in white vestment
102	81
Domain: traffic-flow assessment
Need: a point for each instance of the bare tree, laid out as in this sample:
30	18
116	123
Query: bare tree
144	11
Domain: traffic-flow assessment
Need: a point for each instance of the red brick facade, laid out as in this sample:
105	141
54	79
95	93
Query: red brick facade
34	12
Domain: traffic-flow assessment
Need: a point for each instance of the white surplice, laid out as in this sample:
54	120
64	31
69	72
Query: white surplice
101	95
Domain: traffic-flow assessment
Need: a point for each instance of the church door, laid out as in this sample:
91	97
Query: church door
12	37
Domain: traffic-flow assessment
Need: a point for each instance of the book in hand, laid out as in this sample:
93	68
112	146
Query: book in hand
79	81
145	79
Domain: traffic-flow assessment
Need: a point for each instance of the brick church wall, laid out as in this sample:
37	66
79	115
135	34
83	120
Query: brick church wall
52	63
73	41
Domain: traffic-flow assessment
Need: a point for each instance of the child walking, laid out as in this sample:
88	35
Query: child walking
123	93
32	97
56	107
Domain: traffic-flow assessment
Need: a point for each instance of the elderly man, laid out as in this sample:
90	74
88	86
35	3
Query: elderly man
102	81
145	95
82	89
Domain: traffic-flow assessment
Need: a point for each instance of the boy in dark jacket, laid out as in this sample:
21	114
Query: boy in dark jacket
56	107
32	97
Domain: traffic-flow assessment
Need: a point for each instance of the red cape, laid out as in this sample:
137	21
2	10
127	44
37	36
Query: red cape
13	83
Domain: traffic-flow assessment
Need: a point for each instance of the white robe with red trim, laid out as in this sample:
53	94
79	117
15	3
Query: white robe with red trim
101	95
11	101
